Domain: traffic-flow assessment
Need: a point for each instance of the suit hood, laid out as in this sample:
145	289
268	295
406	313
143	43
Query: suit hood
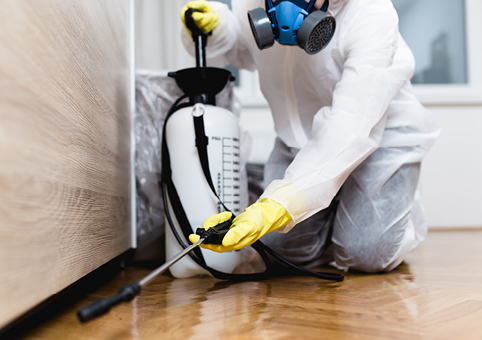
335	6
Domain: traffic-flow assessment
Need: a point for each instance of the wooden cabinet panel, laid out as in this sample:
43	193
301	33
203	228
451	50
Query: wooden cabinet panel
64	144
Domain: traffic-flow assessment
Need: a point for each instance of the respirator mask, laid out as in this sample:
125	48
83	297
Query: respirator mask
292	22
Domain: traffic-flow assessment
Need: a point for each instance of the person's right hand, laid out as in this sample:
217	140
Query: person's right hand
257	220
207	19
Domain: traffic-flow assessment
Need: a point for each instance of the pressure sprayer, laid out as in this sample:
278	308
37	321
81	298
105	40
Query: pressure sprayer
199	181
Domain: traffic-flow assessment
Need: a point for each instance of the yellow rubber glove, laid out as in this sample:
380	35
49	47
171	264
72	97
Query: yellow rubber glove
206	21
257	220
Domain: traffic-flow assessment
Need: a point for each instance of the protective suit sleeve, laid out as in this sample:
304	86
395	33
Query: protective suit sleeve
226	44
346	133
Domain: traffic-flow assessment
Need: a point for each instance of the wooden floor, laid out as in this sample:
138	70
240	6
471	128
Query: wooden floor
435	294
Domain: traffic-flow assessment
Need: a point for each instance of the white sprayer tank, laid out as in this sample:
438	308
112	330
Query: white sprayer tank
197	198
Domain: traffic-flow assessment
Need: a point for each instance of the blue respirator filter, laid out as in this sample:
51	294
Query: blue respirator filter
292	22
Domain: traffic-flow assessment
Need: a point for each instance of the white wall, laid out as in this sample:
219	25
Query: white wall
451	181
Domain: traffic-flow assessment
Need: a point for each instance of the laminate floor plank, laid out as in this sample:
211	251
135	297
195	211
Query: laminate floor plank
435	294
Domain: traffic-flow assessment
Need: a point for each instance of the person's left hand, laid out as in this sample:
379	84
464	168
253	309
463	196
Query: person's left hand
257	220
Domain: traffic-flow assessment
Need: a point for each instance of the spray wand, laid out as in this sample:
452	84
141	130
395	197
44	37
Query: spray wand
213	235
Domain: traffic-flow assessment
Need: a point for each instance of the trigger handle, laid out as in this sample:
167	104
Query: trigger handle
215	235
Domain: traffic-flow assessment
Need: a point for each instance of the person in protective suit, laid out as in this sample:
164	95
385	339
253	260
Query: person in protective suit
351	136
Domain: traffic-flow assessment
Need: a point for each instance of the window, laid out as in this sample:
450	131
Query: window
443	35
435	31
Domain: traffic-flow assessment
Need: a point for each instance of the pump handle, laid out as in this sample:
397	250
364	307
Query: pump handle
195	31
200	38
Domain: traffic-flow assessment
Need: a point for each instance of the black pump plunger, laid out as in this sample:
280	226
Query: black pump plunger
200	38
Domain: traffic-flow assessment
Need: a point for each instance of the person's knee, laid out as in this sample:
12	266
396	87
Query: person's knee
373	243
366	258
372	254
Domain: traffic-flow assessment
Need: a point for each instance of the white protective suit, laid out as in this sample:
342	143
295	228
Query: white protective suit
336	107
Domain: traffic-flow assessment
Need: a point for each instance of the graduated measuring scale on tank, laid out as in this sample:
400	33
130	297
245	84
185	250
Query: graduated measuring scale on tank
225	171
